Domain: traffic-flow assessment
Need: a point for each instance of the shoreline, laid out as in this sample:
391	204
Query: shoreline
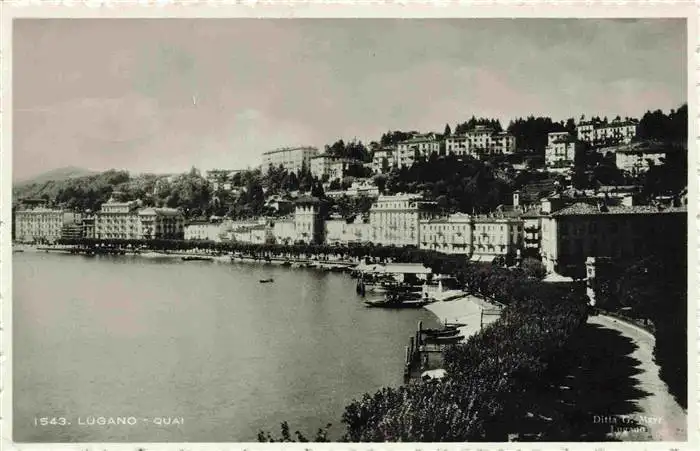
466	309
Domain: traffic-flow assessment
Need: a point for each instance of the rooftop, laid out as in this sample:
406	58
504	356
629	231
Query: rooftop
289	149
581	208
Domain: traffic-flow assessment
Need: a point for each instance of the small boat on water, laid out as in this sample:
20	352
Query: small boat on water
17	250
267	280
287	263
192	258
440	332
383	303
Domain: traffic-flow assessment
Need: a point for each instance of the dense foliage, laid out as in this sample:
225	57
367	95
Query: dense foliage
668	128
471	124
655	291
465	185
487	377
531	133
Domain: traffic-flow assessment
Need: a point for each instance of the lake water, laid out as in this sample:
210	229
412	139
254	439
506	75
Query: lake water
198	343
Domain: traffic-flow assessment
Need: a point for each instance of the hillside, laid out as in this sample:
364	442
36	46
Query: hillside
59	174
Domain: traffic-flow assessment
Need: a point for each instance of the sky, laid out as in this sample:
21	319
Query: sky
163	95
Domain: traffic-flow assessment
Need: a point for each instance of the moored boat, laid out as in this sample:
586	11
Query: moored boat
267	280
192	258
440	332
287	263
384	303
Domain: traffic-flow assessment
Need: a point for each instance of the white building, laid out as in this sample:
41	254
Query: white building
341	231
284	231
637	160
204	230
42	224
118	220
394	220
482	141
418	146
161	223
356	189
560	151
290	158
384	158
330	166
483	238
603	133
308	223
450	235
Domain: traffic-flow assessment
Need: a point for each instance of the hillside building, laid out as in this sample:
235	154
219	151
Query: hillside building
290	158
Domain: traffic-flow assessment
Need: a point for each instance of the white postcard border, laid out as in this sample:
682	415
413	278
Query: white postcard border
337	9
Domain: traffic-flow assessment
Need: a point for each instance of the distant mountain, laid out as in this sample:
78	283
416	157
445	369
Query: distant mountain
58	174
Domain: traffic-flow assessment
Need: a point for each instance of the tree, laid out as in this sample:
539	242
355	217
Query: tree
448	130
533	268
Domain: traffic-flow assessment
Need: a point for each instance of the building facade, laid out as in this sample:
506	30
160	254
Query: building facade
340	231
481	237
637	161
126	221
290	158
598	132
203	230
329	166
161	224
451	235
480	142
118	220
384	159
560	151
284	231
419	146
394	220
43	225
308	222
579	231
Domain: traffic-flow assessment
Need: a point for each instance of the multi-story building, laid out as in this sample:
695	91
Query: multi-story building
384	159
290	158
503	143
458	145
560	151
394	220
161	224
343	231
638	160
42	224
125	221
284	231
118	220
450	235
482	141
480	237
598	133
418	146
581	230
254	234
329	166
497	236
204	230
308	222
